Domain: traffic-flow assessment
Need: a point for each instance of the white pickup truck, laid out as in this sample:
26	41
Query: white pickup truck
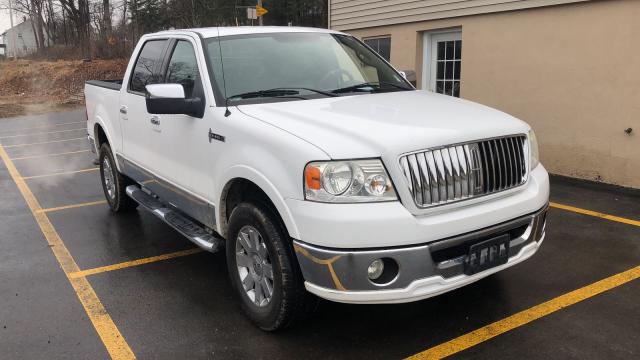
319	168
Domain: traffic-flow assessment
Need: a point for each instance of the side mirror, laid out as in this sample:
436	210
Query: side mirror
167	91
170	99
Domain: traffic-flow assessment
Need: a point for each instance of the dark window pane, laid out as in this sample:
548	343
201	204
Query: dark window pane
448	87
143	72
458	55
450	50
372	43
441	50
380	45
448	70
183	67
384	48
456	89
448	67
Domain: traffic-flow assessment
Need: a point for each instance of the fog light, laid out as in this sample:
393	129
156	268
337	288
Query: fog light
376	268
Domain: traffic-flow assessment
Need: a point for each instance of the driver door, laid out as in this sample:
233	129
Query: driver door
181	142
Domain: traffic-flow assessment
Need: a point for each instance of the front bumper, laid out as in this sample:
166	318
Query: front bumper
423	271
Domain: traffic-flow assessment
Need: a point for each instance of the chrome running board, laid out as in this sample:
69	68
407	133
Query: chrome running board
189	228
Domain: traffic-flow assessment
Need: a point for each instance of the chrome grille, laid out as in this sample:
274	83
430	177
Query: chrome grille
458	172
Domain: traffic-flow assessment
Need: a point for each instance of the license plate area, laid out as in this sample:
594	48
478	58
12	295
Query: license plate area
487	254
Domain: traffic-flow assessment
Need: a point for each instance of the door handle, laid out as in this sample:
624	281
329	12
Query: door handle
155	120
123	109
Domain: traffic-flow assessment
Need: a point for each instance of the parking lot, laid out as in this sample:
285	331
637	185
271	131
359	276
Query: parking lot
79	282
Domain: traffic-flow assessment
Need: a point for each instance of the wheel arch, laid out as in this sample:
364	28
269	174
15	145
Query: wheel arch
101	136
244	183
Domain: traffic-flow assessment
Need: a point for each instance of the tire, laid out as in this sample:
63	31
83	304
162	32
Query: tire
289	302
114	184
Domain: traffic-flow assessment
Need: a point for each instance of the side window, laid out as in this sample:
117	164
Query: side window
143	72
183	67
381	45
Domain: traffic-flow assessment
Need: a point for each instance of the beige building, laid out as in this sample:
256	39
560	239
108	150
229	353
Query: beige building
570	68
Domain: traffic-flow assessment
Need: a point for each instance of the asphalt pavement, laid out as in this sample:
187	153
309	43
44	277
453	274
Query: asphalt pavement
77	281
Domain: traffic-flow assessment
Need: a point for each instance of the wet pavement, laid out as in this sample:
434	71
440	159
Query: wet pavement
184	306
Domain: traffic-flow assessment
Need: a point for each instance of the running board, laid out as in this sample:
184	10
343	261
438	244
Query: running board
190	229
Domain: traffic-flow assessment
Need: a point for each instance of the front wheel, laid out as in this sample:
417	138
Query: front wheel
263	269
114	184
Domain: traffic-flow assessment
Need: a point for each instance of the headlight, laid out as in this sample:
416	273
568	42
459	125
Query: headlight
348	181
533	146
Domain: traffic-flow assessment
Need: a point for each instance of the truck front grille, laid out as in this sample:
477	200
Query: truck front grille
457	172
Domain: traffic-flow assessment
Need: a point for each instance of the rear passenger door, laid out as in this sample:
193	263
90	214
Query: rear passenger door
137	123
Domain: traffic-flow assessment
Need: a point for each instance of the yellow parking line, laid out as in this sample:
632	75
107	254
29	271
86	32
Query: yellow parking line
60	173
595	213
49	155
74	206
43	142
132	263
524	317
52	126
41	133
113	340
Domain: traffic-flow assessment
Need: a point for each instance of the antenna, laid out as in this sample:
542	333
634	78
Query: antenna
224	82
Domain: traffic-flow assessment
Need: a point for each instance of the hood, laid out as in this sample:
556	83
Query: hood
385	124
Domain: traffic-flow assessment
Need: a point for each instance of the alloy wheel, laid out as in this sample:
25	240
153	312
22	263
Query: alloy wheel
109	181
254	266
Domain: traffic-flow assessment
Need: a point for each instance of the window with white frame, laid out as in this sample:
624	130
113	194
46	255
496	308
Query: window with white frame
381	45
443	60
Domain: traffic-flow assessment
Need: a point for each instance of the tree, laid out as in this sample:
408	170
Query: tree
111	28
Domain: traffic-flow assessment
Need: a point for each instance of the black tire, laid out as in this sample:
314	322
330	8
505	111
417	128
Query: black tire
290	302
117	198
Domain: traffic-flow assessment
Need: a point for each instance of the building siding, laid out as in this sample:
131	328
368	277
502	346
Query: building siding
358	14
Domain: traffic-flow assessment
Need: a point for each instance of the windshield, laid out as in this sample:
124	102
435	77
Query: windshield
297	66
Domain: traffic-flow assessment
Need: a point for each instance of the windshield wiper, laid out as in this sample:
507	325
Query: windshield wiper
280	92
267	93
375	85
325	93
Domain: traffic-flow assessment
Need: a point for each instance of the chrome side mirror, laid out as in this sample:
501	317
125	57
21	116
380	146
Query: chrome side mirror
166	91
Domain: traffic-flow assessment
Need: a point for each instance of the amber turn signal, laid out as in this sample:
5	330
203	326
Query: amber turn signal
312	177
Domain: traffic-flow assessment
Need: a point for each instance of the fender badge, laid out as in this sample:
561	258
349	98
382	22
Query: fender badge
214	136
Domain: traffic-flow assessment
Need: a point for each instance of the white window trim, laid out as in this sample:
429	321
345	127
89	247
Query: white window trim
429	42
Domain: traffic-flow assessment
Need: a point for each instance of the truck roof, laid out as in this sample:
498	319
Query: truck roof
241	30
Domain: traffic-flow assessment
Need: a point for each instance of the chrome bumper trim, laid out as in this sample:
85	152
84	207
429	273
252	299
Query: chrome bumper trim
419	289
344	270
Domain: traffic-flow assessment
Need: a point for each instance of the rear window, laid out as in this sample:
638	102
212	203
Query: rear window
144	71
